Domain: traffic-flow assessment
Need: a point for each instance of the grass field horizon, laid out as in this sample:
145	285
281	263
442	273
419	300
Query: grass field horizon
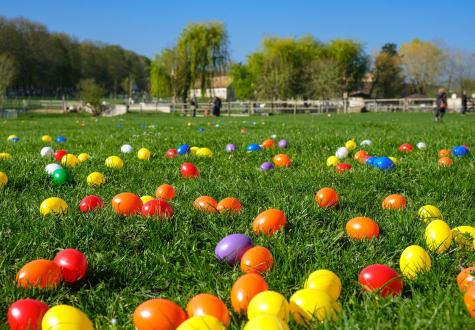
134	259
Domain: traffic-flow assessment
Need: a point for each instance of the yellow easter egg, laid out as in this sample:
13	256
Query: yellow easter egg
146	198
83	157
194	150
46	138
69	160
268	302
324	280
11	137
350	145
332	161
114	162
96	179
64	317
53	205
144	154
427	213
308	305
266	322
204	152
413	261
5	156
438	236
3	179
464	237
203	322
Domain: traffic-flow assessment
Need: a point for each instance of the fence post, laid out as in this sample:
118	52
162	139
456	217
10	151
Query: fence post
229	108
295	107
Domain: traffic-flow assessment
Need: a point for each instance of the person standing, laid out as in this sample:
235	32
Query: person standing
440	104
194	105
464	104
216	106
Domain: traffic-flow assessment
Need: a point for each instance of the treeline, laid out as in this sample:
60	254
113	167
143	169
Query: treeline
53	64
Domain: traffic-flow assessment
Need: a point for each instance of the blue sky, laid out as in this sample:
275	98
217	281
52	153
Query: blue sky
148	26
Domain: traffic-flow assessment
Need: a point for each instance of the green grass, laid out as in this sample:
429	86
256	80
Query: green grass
133	259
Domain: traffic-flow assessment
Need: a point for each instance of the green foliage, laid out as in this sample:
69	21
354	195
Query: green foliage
7	73
91	93
243	82
388	74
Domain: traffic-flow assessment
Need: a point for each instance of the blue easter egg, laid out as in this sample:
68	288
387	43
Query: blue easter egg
384	163
460	151
60	139
253	147
183	149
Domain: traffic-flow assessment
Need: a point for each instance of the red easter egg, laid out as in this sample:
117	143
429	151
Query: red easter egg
327	197
229	204
362	228
282	160
171	153
165	191
207	304
189	170
73	264
343	167
394	202
244	289
157	314
26	314
406	147
206	204
127	203
39	273
90	203
58	155
269	221
257	259
381	278
157	207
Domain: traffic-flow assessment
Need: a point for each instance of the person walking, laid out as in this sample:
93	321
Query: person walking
464	104
194	105
216	106
440	105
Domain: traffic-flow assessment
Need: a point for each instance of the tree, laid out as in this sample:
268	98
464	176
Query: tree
7	73
422	62
327	80
388	74
243	82
127	86
458	69
91	93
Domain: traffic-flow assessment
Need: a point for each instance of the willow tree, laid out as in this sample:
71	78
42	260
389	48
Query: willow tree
200	54
7	73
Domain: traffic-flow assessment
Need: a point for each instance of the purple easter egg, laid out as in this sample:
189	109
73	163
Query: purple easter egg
232	247
266	166
283	144
230	147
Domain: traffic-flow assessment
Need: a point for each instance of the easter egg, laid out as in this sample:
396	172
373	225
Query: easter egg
244	289
327	197
268	302
266	166
269	221
160	314
413	261
5	156
146	198
243	130
73	264
126	149
443	153
394	160
332	161
204	152
83	157
3	179
466	278
61	176
438	236
189	170
230	147
91	203
157	207
257	259
53	205
69	160
127	204
342	153
232	247
206	204
267	144
14	139
253	147
203	322
47	152
144	154
421	145
59	154
266	322
50	168
460	151
96	179
350	145
64	317
343	167
183	149
60	139
229	204
39	273
26	314
46	138
207	304
282	160
394	202
362	228
193	150
324	280
381	278
360	156
282	144
384	163
366	143
308	305
171	153
445	162
427	213
405	147
114	162
469	300
464	237
165	191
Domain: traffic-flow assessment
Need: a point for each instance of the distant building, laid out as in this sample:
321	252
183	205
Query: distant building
221	86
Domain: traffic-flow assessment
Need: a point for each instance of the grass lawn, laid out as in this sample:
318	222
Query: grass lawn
133	259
